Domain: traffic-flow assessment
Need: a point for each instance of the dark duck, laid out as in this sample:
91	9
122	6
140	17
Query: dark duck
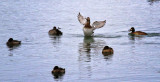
107	50
58	70
55	31
12	42
133	32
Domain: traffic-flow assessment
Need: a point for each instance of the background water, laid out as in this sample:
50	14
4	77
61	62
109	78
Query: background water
135	59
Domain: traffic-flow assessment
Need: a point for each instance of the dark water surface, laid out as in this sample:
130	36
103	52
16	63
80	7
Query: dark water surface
135	59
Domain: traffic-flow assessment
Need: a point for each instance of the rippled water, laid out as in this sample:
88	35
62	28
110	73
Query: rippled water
134	59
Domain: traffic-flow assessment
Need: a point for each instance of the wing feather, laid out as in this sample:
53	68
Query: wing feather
81	19
98	24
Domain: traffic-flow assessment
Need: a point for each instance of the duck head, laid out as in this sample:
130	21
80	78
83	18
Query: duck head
56	67
106	47
88	19
132	29
54	28
10	40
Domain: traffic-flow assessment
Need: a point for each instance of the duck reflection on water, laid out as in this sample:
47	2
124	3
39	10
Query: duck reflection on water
86	45
90	50
55	39
90	46
133	38
85	48
85	57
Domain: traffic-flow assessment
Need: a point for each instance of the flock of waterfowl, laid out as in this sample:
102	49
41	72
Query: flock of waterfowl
88	31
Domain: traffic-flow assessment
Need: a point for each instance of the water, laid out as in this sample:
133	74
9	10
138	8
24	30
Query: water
135	59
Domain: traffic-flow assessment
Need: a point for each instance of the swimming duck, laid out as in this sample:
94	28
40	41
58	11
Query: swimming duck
88	30
137	32
12	42
55	31
107	50
58	70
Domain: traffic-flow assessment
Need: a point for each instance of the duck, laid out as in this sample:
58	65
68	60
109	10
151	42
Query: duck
107	50
58	70
55	31
12	42
88	29
133	32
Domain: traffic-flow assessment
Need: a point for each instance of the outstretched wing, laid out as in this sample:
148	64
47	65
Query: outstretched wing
98	24
81	19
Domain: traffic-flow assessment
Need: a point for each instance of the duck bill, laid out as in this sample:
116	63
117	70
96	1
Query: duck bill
129	30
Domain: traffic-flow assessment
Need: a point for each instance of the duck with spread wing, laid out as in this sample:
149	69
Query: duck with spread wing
88	29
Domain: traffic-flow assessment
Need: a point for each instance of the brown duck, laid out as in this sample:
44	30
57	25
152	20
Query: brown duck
137	32
55	31
12	42
107	50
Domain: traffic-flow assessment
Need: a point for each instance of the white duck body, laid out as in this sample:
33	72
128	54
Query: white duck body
88	31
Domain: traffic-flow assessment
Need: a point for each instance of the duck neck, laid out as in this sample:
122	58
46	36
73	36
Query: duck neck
133	30
88	24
